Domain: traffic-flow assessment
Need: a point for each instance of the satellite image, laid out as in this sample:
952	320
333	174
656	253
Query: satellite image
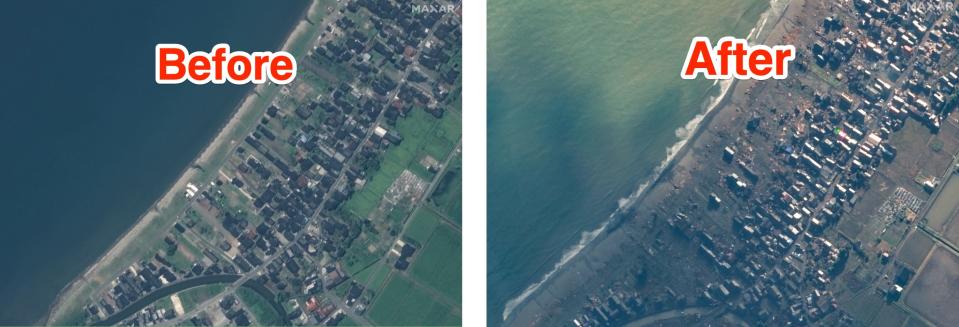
623	194
328	194
623	163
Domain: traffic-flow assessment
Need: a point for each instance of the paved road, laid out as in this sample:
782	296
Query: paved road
338	183
185	284
419	206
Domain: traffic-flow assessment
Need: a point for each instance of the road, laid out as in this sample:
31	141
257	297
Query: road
182	285
337	184
896	84
429	190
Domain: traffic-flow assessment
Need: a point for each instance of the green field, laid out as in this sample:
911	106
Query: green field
398	215
373	276
179	261
358	257
422	225
192	297
445	136
259	307
164	303
448	195
440	264
378	277
348	322
422	134
401	303
185	250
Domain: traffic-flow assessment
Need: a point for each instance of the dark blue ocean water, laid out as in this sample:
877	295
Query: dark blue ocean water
88	142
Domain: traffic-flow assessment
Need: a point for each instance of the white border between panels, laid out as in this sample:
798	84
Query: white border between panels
474	163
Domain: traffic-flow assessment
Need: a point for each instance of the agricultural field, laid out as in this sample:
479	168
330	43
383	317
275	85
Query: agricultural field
945	206
421	227
423	135
890	315
426	139
439	265
914	251
373	277
448	195
402	303
933	293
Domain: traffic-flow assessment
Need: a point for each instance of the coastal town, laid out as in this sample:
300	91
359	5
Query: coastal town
827	198
335	199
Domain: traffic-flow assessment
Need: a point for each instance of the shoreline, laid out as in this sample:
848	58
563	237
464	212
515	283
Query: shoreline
701	122
244	106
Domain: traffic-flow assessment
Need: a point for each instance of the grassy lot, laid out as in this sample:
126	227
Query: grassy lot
378	277
259	307
189	246
374	276
179	260
164	303
440	264
422	134
362	203
448	195
401	303
194	296
186	254
445	135
422	226
358	257
340	290
398	215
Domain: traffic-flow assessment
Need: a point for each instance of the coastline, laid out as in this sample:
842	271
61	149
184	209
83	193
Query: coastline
677	156
222	143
